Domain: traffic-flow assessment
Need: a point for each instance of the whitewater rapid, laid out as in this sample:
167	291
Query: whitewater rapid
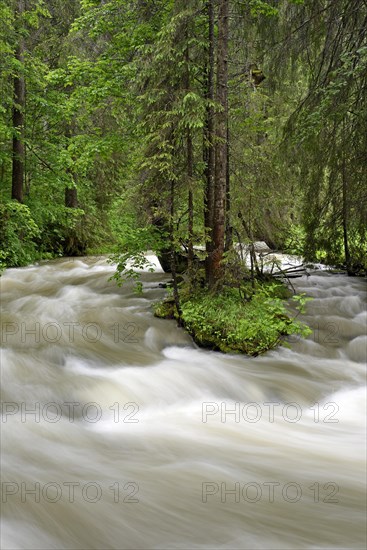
117	432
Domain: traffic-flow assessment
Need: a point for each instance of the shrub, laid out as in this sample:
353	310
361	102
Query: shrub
18	232
227	323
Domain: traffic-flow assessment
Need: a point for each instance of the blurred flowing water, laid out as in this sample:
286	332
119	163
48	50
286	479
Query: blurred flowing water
140	440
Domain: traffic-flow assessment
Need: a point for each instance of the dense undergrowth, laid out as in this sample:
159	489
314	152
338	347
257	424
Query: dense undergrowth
234	320
28	235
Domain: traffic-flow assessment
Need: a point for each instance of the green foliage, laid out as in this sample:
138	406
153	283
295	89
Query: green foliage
18	233
114	88
259	7
165	309
327	136
295	240
130	258
226	323
128	266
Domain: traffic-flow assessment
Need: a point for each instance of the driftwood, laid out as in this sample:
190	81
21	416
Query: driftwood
257	261
291	272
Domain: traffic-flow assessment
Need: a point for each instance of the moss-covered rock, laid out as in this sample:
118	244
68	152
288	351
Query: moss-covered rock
165	309
226	322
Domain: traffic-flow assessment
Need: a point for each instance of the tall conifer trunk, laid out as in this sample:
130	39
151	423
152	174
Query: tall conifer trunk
345	219
220	181
209	158
18	154
229	229
190	173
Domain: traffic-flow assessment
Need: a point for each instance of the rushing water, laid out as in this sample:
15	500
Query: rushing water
138	439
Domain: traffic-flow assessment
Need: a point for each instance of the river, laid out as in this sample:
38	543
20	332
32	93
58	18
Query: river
119	433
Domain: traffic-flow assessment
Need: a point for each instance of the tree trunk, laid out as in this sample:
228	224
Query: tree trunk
229	229
71	193
176	295
190	256
18	120
190	173
209	158
71	197
219	218
345	220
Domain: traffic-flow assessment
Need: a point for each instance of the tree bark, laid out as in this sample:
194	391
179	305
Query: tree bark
73	243
209	157
71	197
176	295
219	218
190	256
229	229
345	219
18	154
190	173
